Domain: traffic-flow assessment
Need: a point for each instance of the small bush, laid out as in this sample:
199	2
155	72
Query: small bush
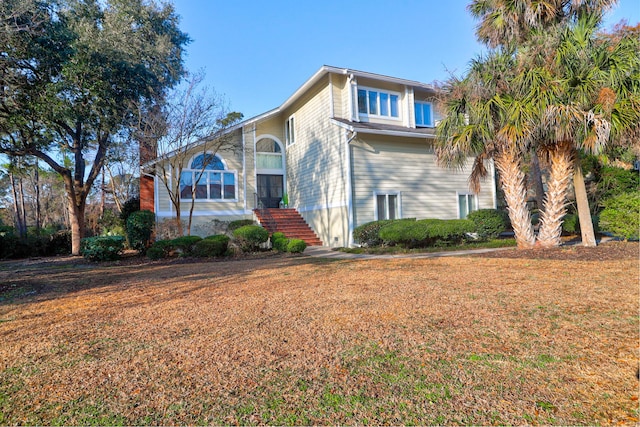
489	223
296	246
250	237
155	253
621	216
452	231
571	224
368	234
404	233
139	229
212	246
102	248
185	244
279	242
234	225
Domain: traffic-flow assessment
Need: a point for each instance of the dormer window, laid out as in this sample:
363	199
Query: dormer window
424	115
373	102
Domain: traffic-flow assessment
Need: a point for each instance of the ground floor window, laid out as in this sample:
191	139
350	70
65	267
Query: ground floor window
466	203
208	185
387	206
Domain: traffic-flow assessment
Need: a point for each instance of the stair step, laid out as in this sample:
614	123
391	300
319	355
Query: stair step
289	222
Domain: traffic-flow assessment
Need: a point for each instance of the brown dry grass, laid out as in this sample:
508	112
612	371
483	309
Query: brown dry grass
465	340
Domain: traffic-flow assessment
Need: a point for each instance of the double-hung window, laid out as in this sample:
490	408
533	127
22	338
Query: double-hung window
466	203
373	102
387	206
207	179
424	114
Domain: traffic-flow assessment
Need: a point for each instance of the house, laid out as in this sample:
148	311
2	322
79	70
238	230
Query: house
348	147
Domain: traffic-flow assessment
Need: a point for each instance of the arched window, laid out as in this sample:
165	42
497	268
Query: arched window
269	154
207	178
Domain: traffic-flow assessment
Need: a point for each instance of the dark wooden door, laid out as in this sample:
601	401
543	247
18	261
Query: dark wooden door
270	189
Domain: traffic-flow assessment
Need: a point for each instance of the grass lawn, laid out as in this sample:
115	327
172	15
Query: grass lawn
297	340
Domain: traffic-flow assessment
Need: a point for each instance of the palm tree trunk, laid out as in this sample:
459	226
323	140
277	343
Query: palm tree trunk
561	157
515	194
584	213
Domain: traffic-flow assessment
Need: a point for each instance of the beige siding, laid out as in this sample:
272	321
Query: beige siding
331	225
233	159
408	167
316	163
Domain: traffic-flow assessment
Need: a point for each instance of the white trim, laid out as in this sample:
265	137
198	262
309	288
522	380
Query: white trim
234	212
349	189
244	171
290	130
321	207
353	100
208	200
407	103
398	195
255	169
387	132
331	107
260	171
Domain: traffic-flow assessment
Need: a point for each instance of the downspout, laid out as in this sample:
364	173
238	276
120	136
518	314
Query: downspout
350	227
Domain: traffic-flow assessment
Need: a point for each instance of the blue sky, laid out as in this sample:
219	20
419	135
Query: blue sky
257	53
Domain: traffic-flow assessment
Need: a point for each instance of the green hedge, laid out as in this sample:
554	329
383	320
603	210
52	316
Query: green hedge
102	248
621	215
234	225
369	234
279	242
489	223
56	243
426	232
250	237
296	246
212	246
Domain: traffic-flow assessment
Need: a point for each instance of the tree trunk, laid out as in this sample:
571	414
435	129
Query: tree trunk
536	176
37	179
515	194
76	218
561	157
19	218
582	202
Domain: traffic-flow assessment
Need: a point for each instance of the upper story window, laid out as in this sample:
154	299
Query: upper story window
206	178
424	114
269	154
289	131
374	102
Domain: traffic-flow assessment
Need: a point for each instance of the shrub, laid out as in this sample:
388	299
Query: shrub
234	225
250	237
296	246
130	206
139	229
212	246
368	234
162	246
621	215
155	252
102	248
489	223
279	242
426	232
185	244
571	224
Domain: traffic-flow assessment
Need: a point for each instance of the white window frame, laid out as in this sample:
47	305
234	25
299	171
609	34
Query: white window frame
204	180
379	91
387	194
466	194
424	125
290	131
281	154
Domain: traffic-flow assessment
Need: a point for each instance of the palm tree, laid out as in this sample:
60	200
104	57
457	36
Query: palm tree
484	120
575	90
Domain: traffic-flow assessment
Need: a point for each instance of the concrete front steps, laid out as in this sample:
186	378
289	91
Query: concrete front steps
289	222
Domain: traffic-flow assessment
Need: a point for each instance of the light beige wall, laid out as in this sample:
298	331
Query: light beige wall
408	166
316	163
233	159
331	225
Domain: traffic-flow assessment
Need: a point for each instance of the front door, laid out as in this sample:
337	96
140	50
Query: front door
270	189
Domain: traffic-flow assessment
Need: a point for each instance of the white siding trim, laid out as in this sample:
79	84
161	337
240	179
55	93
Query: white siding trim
349	188
331	107
244	171
320	207
234	212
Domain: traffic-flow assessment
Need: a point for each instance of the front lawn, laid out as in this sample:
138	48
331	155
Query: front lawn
454	340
